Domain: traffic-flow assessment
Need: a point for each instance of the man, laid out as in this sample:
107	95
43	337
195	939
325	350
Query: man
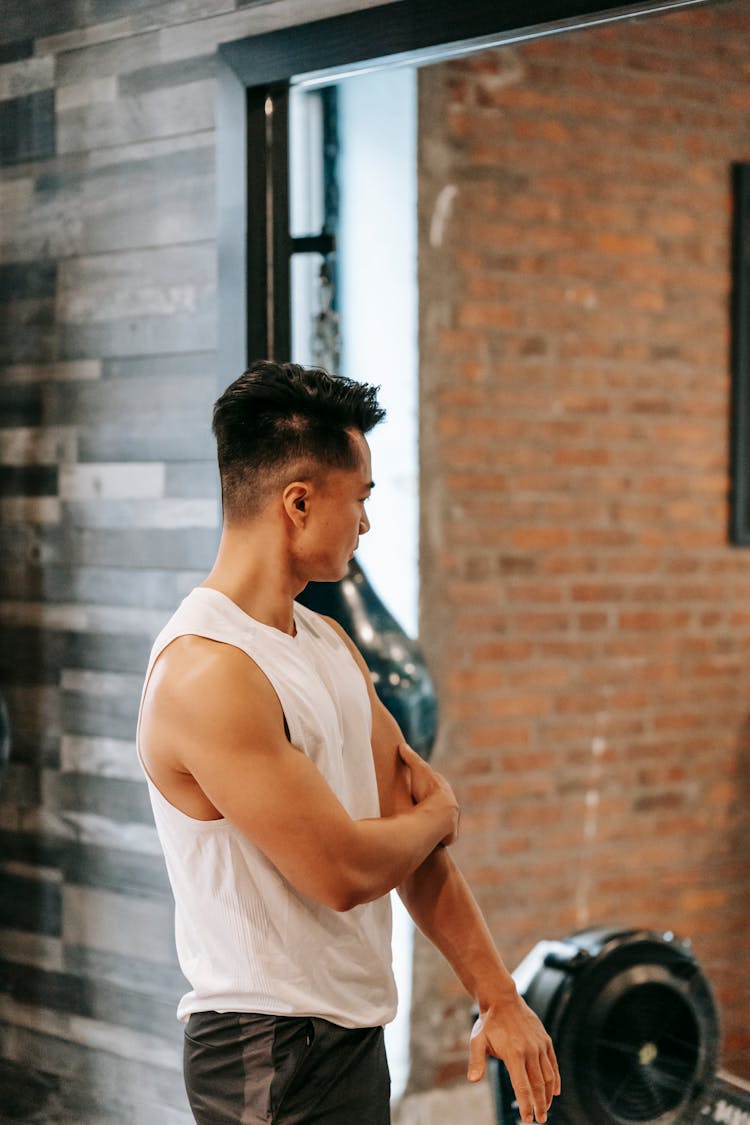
288	804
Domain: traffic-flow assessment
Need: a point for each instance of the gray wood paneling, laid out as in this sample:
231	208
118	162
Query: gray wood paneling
108	517
27	280
160	113
145	200
21	785
169	549
26	76
163	75
150	367
20	49
128	970
101	60
112	798
121	585
149	334
30	904
23	18
27	128
116	869
109	922
137	401
196	478
100	1000
20	405
102	1075
161	438
28	480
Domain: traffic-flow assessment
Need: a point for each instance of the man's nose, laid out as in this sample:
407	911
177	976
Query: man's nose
364	524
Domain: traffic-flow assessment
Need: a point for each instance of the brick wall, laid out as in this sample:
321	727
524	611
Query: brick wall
586	618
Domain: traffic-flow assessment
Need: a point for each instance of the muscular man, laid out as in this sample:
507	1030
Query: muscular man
287	802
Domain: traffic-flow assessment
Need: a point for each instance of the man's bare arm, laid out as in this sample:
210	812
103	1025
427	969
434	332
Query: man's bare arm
443	906
441	903
217	717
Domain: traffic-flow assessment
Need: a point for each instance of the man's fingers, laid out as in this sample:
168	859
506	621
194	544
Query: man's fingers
411	757
477	1053
550	1079
531	1089
522	1089
553	1060
538	1089
552	1057
518	1038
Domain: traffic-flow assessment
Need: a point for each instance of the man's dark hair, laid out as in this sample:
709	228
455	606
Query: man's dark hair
279	419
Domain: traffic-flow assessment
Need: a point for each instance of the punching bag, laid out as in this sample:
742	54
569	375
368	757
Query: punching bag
397	666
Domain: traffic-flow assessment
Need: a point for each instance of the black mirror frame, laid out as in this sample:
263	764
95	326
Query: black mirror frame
254	75
739	510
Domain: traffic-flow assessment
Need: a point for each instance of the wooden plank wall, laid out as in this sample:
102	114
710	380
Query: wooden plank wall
108	516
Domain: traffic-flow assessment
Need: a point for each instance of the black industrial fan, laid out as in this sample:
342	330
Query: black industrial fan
634	1026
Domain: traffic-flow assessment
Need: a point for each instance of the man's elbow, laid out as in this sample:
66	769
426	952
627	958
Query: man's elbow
342	902
349	891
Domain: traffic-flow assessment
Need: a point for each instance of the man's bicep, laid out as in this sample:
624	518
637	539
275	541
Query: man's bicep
235	747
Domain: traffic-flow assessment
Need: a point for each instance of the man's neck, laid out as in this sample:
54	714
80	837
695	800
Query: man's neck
253	572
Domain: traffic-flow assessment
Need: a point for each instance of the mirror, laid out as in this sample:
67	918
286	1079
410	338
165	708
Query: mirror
582	608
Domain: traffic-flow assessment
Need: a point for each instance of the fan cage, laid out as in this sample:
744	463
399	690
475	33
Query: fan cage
646	1053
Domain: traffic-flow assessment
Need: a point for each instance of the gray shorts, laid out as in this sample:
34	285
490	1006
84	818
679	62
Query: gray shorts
246	1069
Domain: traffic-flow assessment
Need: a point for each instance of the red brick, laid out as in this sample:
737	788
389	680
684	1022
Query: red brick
646	619
535	592
517	705
472	680
540	538
625	244
706	898
473	314
510	651
597	593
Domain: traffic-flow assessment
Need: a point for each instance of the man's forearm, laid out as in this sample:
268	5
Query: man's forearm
386	851
439	900
441	903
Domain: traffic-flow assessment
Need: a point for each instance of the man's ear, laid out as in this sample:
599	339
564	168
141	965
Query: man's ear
296	500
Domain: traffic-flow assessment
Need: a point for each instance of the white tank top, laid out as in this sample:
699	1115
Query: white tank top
247	940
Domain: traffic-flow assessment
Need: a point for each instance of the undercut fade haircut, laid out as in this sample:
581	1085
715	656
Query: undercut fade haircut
281	422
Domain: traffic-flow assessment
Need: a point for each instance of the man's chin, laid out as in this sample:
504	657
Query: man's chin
345	568
331	575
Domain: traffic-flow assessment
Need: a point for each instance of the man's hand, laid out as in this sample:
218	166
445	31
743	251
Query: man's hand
512	1032
426	782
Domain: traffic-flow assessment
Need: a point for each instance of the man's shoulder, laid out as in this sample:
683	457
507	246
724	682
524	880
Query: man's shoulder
195	669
